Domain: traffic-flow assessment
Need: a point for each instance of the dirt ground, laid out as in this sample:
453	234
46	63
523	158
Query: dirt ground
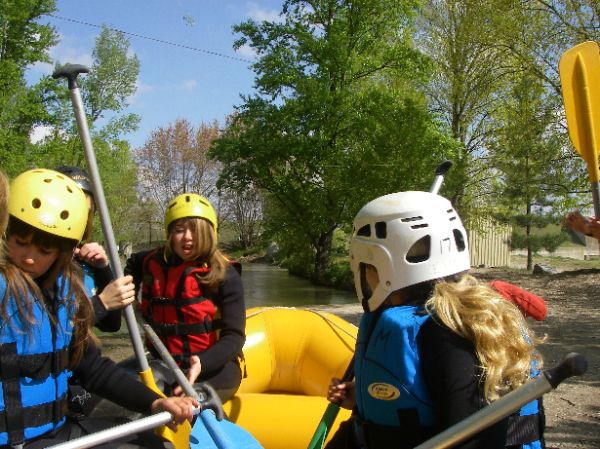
572	325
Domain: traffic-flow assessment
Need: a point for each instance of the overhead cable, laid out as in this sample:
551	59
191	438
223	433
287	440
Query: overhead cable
161	41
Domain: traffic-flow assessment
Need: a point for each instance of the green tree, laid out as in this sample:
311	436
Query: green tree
23	41
470	70
105	92
336	119
526	151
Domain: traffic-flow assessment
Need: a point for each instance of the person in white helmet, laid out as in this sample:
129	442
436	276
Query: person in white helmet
435	344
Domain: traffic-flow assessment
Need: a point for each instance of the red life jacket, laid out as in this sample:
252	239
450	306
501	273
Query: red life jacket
174	305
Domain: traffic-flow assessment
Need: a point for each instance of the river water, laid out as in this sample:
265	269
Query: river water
265	285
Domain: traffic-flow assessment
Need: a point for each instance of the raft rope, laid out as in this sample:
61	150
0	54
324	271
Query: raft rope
323	315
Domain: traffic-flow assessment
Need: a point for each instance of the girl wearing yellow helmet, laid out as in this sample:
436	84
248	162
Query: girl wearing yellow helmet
45	319
192	296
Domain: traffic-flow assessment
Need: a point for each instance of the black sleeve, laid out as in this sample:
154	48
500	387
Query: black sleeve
452	373
104	320
134	267
230	301
100	375
102	277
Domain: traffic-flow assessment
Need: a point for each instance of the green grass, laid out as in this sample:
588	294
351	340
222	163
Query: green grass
560	263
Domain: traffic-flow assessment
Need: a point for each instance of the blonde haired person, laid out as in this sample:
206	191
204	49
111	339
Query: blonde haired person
435	344
45	320
192	296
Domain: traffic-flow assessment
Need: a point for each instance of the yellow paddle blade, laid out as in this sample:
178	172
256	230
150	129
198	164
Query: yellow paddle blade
579	69
180	438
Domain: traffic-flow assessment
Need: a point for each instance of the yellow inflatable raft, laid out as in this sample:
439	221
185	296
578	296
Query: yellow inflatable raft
291	356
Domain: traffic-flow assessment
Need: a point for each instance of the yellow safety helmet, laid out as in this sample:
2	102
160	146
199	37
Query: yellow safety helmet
49	201
190	205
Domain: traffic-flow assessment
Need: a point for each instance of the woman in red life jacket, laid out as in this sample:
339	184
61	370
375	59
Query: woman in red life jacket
192	296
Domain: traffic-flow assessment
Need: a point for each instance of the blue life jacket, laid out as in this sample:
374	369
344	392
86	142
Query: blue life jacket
390	387
88	279
392	398
34	372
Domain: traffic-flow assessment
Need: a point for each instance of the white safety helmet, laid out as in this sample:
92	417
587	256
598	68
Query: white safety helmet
409	237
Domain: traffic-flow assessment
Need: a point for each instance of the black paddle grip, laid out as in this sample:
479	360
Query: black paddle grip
443	168
573	365
70	71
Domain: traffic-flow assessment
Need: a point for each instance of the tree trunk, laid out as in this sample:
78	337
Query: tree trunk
322	256
528	234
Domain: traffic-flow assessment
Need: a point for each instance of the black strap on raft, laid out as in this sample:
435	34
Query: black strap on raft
525	429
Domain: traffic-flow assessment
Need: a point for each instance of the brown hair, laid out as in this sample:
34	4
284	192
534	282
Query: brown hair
87	234
22	288
207	250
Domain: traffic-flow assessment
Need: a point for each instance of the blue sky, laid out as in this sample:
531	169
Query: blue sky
174	82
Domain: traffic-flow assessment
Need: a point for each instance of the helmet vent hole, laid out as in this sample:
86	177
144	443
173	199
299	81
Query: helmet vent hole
64	214
409	219
419	226
459	238
420	250
381	229
187	198
365	231
36	203
47	180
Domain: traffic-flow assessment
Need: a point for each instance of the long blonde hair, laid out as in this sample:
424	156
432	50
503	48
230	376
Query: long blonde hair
504	343
206	249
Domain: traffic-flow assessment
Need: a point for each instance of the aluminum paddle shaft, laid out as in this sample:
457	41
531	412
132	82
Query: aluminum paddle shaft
71	71
114	433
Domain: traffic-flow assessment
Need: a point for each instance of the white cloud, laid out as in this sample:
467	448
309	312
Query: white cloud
39	133
246	51
259	14
140	89
188	85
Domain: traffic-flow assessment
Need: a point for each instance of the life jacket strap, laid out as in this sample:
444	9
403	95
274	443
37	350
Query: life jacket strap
179	302
169	329
524	429
35	366
37	415
13	367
